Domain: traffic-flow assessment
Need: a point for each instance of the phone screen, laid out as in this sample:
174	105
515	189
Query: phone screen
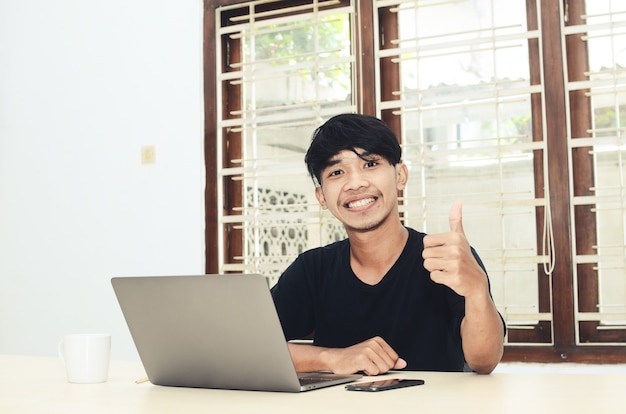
382	385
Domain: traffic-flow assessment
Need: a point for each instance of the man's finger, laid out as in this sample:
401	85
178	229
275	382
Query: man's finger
400	364
456	217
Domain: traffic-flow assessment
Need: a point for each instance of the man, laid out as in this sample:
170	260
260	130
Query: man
387	297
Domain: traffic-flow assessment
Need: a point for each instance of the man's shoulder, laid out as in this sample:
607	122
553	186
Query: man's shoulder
319	261
321	256
414	232
329	249
415	235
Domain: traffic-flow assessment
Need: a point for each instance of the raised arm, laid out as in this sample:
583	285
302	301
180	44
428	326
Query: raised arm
449	259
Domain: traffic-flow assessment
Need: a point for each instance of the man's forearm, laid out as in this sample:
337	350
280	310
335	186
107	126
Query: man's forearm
307	358
373	356
483	335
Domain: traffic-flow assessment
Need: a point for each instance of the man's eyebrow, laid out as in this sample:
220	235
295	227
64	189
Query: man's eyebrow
362	155
367	154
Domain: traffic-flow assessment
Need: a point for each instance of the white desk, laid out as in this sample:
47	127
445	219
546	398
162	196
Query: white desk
38	385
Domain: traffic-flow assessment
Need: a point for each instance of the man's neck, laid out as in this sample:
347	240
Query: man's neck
374	252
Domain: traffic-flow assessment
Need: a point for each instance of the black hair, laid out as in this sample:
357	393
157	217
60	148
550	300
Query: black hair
349	132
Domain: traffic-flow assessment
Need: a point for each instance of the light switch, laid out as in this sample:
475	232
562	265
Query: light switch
148	154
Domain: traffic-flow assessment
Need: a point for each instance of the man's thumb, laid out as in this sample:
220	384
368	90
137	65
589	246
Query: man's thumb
456	217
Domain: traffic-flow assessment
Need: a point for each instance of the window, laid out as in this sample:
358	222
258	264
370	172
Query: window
596	87
292	68
516	107
463	103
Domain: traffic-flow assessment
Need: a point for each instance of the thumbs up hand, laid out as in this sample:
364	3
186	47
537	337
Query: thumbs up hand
449	259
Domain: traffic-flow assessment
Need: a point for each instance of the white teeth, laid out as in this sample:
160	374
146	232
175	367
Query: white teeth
360	203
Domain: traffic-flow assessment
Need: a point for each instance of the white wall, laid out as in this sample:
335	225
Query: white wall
84	84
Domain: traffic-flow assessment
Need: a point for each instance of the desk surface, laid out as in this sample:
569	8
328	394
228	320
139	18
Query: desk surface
38	385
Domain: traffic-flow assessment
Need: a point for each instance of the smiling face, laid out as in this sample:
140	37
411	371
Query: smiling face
361	190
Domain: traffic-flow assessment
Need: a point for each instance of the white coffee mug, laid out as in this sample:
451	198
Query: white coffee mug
86	357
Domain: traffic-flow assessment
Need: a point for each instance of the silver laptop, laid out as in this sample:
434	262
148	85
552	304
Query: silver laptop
212	331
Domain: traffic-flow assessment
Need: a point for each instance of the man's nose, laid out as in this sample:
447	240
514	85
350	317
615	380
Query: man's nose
356	179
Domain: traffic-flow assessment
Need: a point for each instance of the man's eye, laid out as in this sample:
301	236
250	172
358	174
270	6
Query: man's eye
371	163
334	173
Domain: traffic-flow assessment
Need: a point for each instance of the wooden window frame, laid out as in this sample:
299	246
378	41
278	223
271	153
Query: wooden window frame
564	347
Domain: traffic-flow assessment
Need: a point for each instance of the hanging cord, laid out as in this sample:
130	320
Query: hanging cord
548	233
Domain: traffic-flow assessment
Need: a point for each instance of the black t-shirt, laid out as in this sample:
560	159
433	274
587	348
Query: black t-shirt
419	318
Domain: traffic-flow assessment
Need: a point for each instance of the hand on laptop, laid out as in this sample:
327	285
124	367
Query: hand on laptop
372	357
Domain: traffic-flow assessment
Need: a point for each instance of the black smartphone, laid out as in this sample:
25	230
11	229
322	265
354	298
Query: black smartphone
382	385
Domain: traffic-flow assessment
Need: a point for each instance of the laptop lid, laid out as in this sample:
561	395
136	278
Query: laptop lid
210	331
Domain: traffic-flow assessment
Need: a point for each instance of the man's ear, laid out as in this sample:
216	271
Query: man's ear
402	176
319	194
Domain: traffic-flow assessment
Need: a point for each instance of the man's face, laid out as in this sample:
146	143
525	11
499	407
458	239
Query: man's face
361	191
